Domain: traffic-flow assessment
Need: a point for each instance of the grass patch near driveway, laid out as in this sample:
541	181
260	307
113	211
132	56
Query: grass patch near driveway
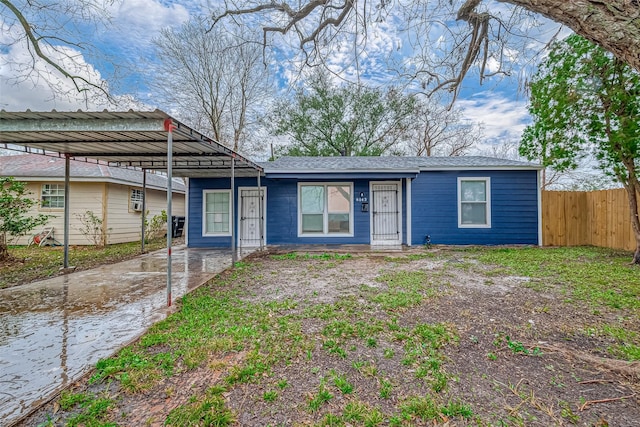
31	263
376	340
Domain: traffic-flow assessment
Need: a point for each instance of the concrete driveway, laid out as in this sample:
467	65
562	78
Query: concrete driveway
55	330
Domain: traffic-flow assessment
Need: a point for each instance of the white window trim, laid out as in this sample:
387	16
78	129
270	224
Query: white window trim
132	200
204	213
487	181
325	218
42	196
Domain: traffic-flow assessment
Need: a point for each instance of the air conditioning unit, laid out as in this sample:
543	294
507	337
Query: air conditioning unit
136	206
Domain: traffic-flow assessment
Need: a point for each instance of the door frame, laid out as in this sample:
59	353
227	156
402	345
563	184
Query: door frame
399	219
264	215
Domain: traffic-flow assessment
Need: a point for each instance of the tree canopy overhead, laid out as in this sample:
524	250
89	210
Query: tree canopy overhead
473	32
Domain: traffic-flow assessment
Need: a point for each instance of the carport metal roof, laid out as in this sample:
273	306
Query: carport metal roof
148	140
124	139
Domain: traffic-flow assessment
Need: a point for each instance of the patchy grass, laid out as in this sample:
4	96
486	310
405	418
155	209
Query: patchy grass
31	263
396	350
595	275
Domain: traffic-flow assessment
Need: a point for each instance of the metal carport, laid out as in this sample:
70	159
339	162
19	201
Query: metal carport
151	140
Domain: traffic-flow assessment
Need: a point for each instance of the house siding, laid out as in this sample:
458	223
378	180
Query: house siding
282	221
514	208
124	225
194	220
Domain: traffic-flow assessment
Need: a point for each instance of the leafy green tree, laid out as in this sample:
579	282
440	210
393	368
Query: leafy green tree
585	101
15	220
327	120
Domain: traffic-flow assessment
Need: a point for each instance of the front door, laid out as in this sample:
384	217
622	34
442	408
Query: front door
251	215
385	214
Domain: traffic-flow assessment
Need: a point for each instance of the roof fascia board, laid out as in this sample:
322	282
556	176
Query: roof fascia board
479	168
334	171
340	175
83	125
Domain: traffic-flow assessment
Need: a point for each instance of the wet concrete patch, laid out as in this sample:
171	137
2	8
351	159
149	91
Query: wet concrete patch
53	331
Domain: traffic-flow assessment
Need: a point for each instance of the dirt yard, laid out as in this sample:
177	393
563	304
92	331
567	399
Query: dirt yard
401	338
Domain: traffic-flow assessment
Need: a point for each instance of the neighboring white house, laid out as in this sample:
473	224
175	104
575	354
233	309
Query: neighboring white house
113	194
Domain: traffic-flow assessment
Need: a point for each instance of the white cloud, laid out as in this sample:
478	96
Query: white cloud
29	84
141	20
503	119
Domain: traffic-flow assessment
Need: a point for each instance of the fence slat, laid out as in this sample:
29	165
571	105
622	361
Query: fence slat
598	218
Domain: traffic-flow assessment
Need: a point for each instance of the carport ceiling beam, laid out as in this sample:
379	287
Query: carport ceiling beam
144	154
83	125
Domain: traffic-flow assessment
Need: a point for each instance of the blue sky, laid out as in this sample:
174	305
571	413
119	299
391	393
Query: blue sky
125	45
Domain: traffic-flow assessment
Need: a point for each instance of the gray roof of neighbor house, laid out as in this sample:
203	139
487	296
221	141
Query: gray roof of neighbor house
36	167
388	164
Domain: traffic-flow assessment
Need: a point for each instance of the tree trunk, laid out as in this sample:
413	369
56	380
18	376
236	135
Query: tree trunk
635	220
611	24
4	252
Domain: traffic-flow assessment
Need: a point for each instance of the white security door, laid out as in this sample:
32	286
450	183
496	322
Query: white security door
250	216
385	214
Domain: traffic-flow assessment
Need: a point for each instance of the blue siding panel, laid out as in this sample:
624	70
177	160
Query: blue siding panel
514	215
196	186
514	208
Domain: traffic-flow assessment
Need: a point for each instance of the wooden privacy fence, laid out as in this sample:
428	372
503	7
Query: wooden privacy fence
577	218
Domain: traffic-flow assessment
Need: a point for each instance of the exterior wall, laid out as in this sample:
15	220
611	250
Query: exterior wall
514	209
84	196
281	212
194	221
282	215
125	223
105	200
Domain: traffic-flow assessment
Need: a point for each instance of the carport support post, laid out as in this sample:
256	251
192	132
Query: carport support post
260	213
67	173
144	207
169	128
233	211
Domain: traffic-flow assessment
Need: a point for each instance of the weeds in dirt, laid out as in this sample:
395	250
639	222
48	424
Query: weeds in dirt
86	409
209	410
322	397
595	275
308	256
372	357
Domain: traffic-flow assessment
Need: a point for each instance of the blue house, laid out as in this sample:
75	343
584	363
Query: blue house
370	200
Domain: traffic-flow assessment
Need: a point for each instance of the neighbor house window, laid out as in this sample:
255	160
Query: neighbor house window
217	212
52	196
135	201
325	209
474	202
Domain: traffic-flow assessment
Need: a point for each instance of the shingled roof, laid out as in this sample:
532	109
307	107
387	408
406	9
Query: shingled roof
390	164
39	167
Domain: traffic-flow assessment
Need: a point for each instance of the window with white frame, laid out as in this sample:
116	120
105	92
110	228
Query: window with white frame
217	212
474	202
325	209
52	196
135	200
